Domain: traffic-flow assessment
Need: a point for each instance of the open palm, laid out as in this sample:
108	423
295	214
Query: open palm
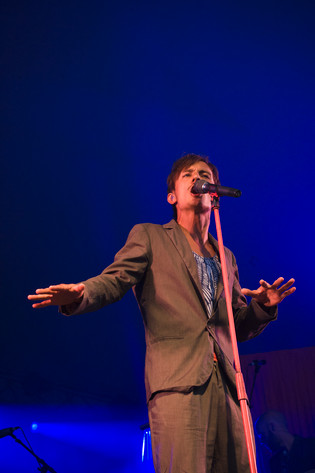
271	294
61	294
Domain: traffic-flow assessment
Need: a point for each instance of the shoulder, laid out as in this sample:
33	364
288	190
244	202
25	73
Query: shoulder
304	443
151	234
152	228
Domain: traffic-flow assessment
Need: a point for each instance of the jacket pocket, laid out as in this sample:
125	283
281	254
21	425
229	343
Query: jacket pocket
162	339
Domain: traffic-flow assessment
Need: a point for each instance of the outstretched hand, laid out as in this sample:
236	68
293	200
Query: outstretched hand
61	294
271	294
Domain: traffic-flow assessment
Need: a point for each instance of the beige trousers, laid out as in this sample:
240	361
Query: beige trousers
199	431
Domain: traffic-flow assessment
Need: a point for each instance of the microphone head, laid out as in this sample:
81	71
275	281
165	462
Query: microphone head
204	187
7	431
201	187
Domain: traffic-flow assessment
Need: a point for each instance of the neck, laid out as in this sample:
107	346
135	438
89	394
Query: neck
197	225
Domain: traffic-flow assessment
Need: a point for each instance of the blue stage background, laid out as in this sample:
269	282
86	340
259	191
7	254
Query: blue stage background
98	99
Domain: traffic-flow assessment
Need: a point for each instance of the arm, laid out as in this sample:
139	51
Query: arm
251	319
127	270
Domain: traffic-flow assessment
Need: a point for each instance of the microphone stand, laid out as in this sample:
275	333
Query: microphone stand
43	467
240	385
257	368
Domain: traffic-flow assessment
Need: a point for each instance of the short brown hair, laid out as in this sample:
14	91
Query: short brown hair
183	163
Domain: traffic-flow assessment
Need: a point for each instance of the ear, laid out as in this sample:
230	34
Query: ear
171	199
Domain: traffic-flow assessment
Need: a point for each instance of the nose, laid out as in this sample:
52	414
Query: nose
196	176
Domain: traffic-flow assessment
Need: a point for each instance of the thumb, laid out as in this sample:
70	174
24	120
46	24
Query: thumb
245	291
248	292
78	288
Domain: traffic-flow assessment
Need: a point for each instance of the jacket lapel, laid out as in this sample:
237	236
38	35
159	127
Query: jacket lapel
182	246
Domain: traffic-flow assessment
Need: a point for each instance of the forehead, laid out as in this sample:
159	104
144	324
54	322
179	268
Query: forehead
198	166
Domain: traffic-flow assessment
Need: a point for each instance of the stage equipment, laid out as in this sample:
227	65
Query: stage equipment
205	187
240	385
7	431
43	467
258	364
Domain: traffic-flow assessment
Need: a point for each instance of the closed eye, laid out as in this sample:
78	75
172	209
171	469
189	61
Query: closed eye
206	174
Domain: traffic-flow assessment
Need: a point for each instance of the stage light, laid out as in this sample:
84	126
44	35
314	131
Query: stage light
34	426
146	446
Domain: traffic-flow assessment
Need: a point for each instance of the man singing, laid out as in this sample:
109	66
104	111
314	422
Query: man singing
175	272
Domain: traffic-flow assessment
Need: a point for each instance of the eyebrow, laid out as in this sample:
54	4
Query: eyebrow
201	170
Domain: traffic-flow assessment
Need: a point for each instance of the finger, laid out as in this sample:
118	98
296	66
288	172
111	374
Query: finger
287	293
39	297
46	290
60	287
41	305
264	284
286	285
277	282
248	292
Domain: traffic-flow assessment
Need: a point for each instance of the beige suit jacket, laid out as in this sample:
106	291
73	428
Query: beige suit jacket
157	262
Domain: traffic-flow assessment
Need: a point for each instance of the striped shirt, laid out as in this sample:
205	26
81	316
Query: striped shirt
209	270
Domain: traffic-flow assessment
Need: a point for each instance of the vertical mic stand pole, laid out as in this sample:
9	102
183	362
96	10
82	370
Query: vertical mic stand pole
240	385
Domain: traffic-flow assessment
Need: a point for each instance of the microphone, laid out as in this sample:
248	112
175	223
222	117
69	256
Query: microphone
257	363
8	431
205	187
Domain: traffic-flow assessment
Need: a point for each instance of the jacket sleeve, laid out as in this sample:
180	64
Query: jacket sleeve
250	320
126	271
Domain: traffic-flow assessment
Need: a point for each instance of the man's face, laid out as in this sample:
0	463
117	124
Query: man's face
182	195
